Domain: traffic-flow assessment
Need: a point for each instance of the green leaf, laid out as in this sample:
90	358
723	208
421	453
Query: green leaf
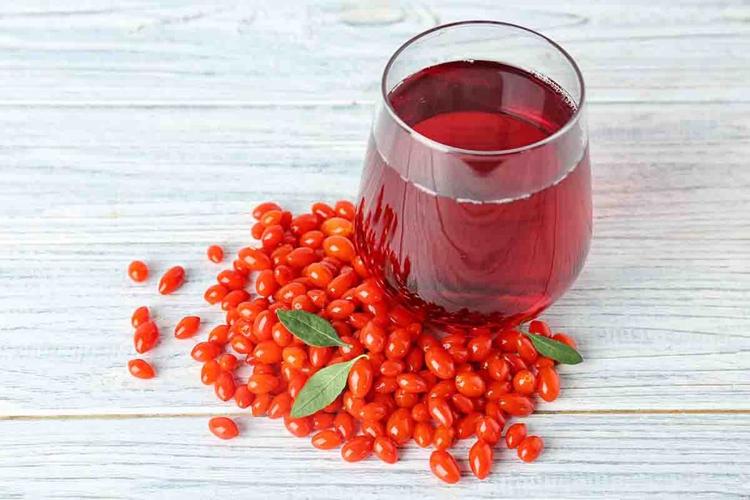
310	328
558	351
322	388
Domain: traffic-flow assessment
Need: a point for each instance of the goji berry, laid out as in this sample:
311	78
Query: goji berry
480	347
360	378
256	230
260	405
210	371
219	335
215	253
344	424
372	428
548	386
497	368
444	466
539	327
423	434
267	352
241	344
230	279
392	367
470	384
241	267
443	437
385	449
337	226
138	271
480	459
488	430
203	351
215	293
187	327
243	397
223	427
296	383
411	382
327	439
524	382
301	257
263	325
304	223
312	239
373	337
255	259
530	448
272	237
357	448
467	426
224	386
526	350
323	210
339	247
264	207
440	411
516	405
345	209
400	426
565	339
515	434
171	280
405	399
280	405
440	363
145	337
322	420
462	403
141	369
140	316
319	356
261	383
287	292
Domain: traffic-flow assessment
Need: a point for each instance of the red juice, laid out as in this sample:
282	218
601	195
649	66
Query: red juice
470	238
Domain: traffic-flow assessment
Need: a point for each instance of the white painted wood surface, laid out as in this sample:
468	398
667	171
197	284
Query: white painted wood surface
130	130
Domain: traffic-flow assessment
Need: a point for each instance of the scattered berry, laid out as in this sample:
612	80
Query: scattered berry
171	280
138	271
215	253
434	390
141	369
223	427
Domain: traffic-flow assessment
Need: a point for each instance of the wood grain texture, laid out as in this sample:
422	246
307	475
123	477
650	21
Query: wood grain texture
660	310
625	457
264	50
134	130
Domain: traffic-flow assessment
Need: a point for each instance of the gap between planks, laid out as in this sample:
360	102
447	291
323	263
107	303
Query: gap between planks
210	104
137	415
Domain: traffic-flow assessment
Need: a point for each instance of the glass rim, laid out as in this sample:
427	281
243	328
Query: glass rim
478	152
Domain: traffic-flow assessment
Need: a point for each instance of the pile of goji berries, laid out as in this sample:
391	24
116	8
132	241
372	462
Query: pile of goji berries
432	388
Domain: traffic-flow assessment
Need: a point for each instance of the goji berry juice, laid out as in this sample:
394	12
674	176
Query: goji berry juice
436	234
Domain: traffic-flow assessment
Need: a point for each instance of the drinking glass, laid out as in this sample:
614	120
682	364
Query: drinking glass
475	200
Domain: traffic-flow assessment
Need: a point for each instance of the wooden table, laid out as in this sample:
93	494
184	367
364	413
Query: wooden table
131	131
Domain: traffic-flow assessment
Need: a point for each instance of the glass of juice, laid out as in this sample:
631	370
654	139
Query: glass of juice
475	200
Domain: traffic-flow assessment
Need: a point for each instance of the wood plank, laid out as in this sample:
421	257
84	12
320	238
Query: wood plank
660	310
183	51
628	457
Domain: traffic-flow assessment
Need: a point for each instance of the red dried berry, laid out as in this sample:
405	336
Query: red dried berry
141	369
223	427
138	271
171	280
187	327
